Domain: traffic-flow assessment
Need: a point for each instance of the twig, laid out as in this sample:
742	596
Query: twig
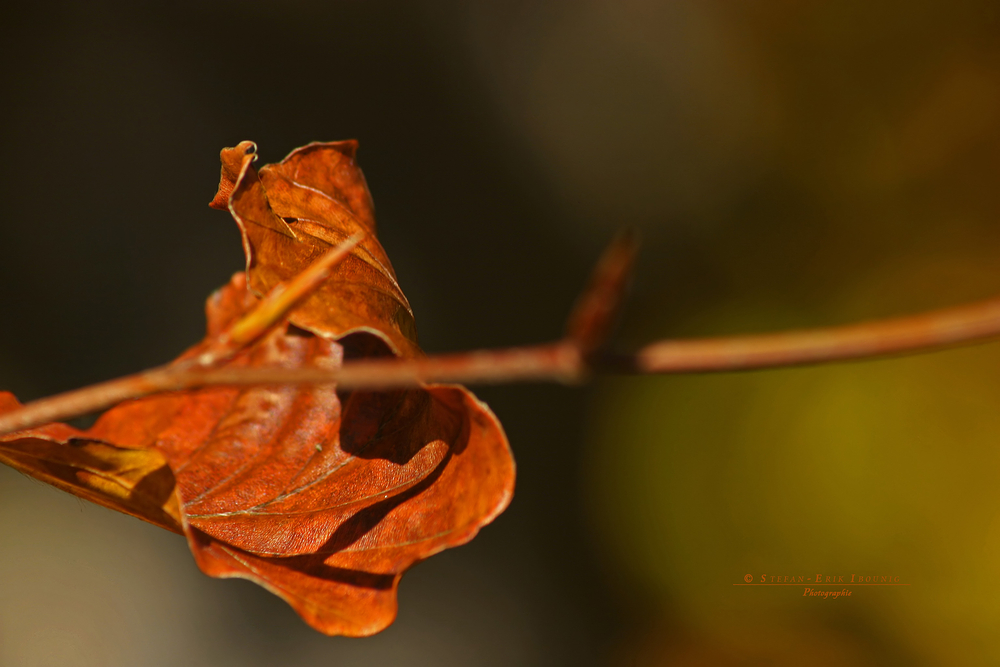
915	333
569	360
272	310
590	323
262	318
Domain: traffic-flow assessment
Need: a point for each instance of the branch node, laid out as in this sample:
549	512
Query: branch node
596	310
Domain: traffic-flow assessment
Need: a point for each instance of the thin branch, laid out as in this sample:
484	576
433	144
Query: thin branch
594	315
569	360
268	313
923	332
559	362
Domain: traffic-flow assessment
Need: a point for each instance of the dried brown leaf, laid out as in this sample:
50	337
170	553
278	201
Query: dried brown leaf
323	498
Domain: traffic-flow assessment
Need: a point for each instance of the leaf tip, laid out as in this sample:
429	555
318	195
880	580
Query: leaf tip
232	164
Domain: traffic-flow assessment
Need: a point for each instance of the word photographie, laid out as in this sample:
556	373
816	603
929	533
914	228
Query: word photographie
826	594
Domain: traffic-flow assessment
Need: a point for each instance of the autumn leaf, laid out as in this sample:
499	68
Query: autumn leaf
291	213
323	498
134	481
325	495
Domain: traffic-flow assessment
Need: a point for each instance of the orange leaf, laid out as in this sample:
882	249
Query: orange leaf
324	499
134	481
291	213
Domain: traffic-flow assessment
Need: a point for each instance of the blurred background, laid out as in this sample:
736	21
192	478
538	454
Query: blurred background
790	163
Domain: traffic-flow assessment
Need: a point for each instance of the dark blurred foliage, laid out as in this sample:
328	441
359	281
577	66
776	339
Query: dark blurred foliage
789	163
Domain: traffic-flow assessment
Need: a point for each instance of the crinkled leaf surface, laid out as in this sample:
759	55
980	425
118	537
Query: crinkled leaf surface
291	213
323	498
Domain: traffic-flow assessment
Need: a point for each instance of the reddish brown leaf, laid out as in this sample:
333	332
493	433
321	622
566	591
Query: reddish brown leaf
324	502
291	213
324	499
134	481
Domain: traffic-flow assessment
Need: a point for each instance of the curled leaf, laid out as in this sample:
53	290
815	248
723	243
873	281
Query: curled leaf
324	498
291	213
134	481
